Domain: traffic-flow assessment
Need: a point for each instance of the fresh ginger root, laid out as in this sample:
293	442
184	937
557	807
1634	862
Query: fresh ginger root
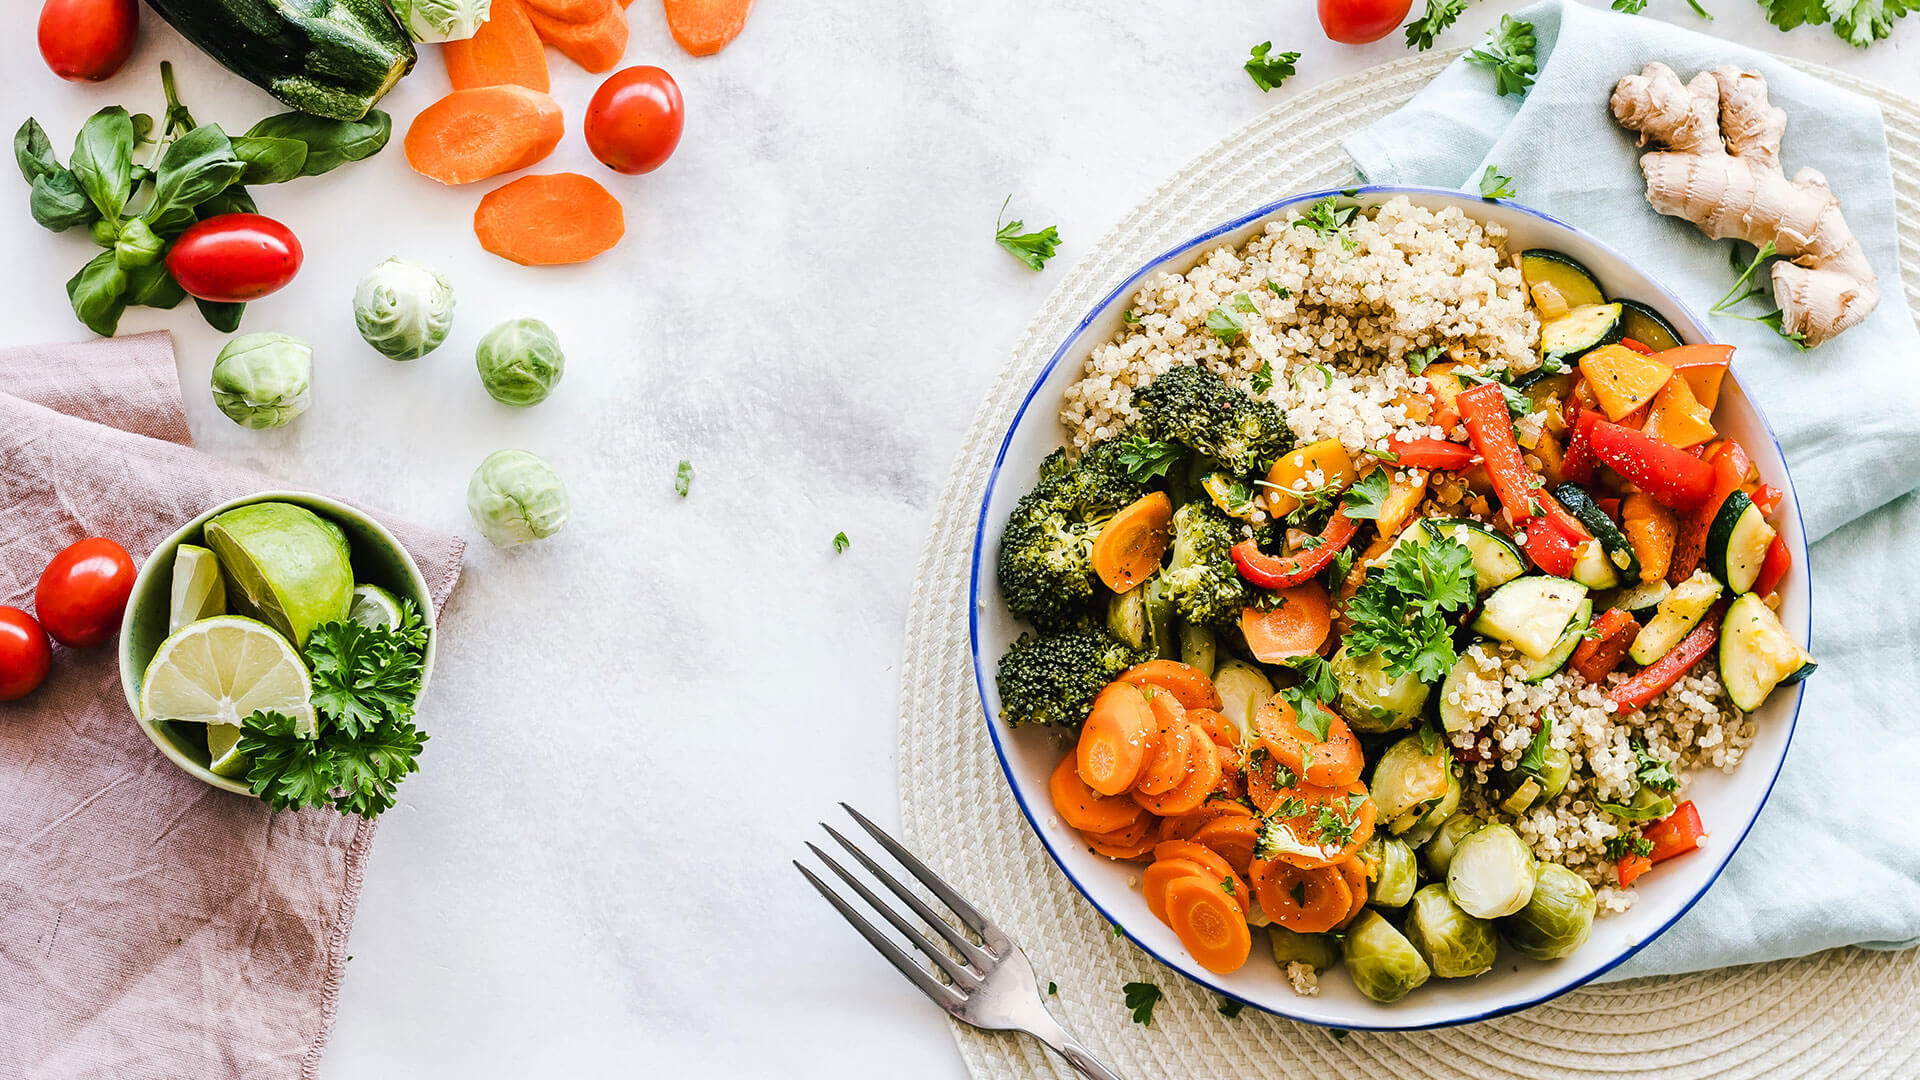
1716	163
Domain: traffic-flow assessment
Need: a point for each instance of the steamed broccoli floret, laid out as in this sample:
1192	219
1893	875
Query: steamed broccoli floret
1053	678
1045	564
1197	409
1201	579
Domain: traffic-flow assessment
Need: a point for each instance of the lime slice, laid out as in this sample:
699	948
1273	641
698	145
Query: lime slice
288	568
198	589
224	751
224	669
374	606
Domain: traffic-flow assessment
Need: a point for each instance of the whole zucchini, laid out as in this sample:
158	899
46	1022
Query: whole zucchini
331	58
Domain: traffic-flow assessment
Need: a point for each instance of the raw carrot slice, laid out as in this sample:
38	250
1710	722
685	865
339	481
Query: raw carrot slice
1334	761
548	220
473	134
1203	777
505	50
573	11
1232	837
1307	901
1210	924
1132	542
1084	808
704	27
1185	682
596	46
1183	826
1296	623
1168	767
1118	739
1314	826
1354	871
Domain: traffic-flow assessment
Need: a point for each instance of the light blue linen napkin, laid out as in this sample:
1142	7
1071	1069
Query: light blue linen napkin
1835	857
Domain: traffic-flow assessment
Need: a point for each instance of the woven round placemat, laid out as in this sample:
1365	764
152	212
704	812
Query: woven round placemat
1841	1014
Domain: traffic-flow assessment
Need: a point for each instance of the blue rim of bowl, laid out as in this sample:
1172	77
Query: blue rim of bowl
979	548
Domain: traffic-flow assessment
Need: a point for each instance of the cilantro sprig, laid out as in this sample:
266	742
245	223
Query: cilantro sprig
1401	612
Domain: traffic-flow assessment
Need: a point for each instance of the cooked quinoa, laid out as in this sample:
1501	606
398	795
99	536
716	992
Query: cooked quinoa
1335	318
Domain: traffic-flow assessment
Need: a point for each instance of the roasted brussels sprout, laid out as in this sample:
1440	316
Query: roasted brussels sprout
1437	853
262	381
1372	700
1198	648
1491	874
1384	965
1429	823
516	497
1453	943
1408	781
1317	951
520	362
1243	689
1557	918
1394	872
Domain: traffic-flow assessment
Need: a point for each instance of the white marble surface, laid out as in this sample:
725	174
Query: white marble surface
636	723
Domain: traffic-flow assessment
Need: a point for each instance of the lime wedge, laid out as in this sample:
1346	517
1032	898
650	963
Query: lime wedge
288	568
224	669
198	589
374	606
224	751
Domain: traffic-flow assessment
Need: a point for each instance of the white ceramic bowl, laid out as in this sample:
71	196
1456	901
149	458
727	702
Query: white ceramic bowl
1728	803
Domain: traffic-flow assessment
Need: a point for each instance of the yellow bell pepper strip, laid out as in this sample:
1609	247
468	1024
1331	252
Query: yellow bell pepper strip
1703	367
1653	680
1623	380
1484	410
1673	477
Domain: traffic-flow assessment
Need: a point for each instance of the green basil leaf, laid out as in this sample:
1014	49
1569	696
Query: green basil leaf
198	166
234	200
269	160
99	294
151	286
137	245
58	203
222	317
103	159
103	231
34	151
142	129
330	143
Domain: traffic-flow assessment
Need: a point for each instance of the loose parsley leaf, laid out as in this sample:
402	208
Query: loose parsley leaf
1628	844
1631	7
1363	500
1225	325
1653	772
1328	218
683	479
1130	317
841	543
1509	54
1278	289
1262	380
1419	359
1429	740
1053	989
1708	15
1268	69
1299	892
1342	566
1231	1009
1316	677
1033	248
1145	459
1243	302
1332	829
1311	716
1495	186
1439	15
1536	755
1141	997
1226	886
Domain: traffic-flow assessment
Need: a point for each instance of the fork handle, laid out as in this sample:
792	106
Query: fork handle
1050	1032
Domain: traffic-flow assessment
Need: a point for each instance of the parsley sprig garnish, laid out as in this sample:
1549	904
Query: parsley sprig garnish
1032	248
1145	459
1401	611
1141	997
1439	15
1651	771
1328	218
1268	68
1509	54
1495	186
1365	498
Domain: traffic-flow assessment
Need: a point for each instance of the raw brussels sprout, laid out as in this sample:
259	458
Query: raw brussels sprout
1491	873
441	20
1384	965
1453	943
516	497
1437	854
1372	700
403	309
1394	872
520	362
1558	917
1407	780
1317	951
262	381
1243	689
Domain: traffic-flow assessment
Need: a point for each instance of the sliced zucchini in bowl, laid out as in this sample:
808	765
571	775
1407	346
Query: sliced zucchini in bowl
1640	596
1644	325
1588	513
1592	568
1531	613
1737	543
1581	330
1757	654
1573	281
1676	616
1549	665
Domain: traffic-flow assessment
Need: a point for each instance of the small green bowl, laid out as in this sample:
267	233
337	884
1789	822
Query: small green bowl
378	559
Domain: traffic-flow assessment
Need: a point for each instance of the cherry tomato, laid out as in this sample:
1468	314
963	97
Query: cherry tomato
634	120
234	258
88	40
1356	22
25	655
83	591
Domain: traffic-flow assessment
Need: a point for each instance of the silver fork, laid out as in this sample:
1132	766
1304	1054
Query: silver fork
992	986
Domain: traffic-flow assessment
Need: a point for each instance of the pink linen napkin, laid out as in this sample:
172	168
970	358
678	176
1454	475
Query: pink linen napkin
151	926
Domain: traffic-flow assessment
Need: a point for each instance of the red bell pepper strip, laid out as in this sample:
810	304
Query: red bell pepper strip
1767	498
1598	656
1577	464
1644	350
1549	548
1277	572
1609	507
1557	515
1664	672
1484	410
1730	466
1631	867
1430	454
1675	834
1674	478
1779	560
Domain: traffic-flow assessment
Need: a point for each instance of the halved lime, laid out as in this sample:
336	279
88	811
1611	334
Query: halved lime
288	567
198	589
375	606
224	669
224	751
